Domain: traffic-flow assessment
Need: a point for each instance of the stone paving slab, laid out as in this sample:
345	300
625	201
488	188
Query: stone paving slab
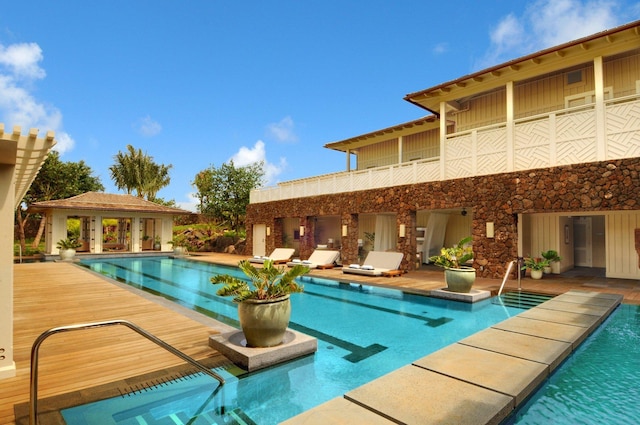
556	331
338	411
556	316
541	350
413	395
505	374
610	301
593	310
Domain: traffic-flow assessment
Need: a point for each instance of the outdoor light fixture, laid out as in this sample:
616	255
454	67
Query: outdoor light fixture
268	231
344	230
490	229
301	231
464	212
403	231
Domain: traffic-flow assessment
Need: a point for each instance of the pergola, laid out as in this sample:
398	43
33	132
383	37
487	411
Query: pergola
21	156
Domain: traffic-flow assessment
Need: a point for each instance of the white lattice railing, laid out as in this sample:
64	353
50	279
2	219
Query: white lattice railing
559	138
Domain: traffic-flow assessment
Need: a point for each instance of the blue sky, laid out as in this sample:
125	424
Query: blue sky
197	83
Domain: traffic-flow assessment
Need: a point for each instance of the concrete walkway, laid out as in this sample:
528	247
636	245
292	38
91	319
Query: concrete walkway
480	379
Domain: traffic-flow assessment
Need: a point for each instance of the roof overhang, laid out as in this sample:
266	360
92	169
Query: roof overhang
27	152
405	129
607	43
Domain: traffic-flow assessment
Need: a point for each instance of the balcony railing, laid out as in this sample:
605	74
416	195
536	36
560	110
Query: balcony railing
568	136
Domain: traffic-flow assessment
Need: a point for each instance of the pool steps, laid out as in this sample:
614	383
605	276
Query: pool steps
480	379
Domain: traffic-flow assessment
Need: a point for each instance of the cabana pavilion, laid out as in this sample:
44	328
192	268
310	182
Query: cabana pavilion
109	222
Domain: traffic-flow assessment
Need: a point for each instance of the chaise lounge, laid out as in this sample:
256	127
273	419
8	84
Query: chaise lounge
278	256
319	259
376	263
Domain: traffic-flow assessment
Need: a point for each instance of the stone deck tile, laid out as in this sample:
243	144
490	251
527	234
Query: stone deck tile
557	331
541	350
556	316
413	395
338	411
573	307
505	374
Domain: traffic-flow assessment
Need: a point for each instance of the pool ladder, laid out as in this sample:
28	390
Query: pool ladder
33	405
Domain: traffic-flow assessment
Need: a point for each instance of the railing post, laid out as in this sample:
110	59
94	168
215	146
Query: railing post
33	390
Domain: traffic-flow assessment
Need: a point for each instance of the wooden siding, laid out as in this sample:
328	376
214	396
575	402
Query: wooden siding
622	258
622	73
484	109
378	155
422	145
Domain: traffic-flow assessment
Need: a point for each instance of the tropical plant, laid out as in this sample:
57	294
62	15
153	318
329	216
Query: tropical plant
551	255
224	192
136	171
68	243
267	283
454	257
535	263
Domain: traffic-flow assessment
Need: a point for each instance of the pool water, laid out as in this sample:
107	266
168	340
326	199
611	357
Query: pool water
363	333
599	383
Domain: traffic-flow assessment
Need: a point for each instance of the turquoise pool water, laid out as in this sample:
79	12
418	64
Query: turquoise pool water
363	333
599	383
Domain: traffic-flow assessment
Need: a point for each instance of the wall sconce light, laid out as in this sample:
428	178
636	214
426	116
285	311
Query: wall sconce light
490	229
403	231
464	212
344	230
301	231
268	231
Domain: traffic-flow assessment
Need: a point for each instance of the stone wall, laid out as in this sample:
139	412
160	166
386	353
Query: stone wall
499	198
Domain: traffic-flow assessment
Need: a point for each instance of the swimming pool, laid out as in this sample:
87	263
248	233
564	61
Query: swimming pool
598	384
363	333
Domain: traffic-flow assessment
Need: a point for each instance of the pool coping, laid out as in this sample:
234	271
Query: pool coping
480	379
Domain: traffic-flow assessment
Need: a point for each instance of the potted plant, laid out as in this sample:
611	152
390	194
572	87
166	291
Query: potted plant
179	244
536	266
67	248
264	307
459	278
553	257
157	245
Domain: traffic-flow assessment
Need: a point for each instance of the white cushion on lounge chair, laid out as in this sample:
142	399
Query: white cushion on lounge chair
319	258
380	261
278	255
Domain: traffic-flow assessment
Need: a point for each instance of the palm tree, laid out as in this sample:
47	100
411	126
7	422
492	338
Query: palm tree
136	171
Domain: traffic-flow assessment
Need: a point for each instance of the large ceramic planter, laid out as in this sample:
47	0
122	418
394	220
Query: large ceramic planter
536	274
264	322
67	254
179	250
460	280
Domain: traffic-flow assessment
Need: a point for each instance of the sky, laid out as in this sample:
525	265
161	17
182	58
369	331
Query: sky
198	83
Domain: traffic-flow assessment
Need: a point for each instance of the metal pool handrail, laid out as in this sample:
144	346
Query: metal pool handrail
33	405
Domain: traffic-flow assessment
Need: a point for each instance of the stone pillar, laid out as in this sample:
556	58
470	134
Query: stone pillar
349	243
407	244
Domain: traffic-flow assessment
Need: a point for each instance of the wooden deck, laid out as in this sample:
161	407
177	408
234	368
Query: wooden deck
48	295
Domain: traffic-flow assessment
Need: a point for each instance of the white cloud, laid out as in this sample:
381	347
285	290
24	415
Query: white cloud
247	156
148	127
283	131
19	68
547	23
191	204
22	59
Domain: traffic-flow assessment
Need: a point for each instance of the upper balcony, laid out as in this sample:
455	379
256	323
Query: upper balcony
563	137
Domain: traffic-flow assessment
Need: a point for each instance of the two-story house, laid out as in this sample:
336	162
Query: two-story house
541	152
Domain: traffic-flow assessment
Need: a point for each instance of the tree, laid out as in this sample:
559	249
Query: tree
136	171
224	192
56	180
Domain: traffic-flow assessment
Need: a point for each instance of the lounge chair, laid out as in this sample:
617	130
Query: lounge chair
319	259
278	256
376	263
